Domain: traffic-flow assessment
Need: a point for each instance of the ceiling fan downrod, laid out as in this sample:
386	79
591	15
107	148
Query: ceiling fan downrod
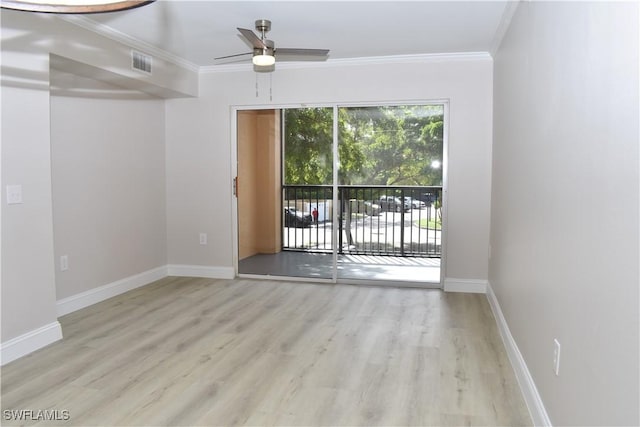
263	26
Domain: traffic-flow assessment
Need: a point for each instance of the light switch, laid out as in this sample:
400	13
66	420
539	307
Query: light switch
64	262
14	194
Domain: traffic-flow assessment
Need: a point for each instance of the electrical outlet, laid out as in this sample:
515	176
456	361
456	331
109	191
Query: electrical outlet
64	263
14	194
556	356
203	238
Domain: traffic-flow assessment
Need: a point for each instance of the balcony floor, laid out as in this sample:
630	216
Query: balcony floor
350	267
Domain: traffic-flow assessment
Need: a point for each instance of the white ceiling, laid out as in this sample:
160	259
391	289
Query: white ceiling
199	31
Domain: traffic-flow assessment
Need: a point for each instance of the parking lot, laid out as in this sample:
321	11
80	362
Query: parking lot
387	233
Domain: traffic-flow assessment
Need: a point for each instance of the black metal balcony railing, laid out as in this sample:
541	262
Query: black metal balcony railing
372	220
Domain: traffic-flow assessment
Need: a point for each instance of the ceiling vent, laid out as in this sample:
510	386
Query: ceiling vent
141	62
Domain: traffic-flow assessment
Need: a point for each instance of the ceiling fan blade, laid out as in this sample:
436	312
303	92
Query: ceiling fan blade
233	56
302	52
252	38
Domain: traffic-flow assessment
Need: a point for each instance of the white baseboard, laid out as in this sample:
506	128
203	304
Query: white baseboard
465	285
201	271
45	335
532	398
29	342
93	296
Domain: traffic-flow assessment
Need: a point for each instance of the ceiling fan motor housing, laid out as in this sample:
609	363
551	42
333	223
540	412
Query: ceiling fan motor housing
269	50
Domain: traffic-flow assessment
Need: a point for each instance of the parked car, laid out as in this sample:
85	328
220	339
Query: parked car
295	218
393	204
428	198
364	206
415	203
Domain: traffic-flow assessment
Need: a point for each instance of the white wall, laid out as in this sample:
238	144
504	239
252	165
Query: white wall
28	292
564	229
199	146
108	177
28	262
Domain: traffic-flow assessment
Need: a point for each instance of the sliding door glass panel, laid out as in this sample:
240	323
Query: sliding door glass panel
390	192
307	193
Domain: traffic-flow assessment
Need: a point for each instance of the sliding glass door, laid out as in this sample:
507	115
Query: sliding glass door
360	194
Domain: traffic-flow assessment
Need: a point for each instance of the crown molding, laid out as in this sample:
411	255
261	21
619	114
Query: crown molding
346	62
503	26
134	43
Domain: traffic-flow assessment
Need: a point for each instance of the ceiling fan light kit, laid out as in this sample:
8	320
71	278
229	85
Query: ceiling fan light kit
72	6
263	60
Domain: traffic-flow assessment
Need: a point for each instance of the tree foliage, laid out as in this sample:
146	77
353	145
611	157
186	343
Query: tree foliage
308	146
386	145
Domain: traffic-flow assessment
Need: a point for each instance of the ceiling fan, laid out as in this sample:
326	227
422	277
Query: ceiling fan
264	51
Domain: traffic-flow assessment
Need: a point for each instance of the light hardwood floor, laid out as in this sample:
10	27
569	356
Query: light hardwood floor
185	351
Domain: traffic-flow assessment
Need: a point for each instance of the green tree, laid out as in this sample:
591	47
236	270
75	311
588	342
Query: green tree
308	145
386	145
398	144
